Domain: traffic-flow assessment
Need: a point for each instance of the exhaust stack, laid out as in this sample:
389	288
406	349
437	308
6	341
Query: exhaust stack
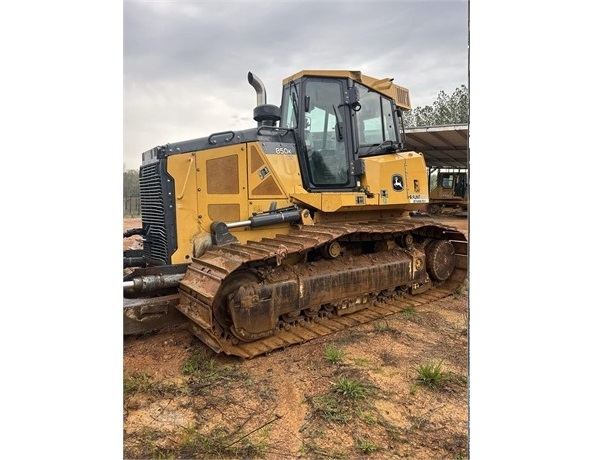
264	114
261	92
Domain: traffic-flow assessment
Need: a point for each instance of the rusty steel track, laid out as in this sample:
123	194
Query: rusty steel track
205	277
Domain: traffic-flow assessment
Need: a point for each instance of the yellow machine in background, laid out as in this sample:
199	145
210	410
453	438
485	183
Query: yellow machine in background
255	236
449	190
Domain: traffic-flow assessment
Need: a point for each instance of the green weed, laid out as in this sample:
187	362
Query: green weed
431	374
333	354
464	287
361	362
198	364
218	444
410	311
206	372
381	326
136	383
367	417
366	446
329	407
350	388
309	448
143	383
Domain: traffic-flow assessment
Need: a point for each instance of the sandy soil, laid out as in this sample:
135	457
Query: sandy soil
353	394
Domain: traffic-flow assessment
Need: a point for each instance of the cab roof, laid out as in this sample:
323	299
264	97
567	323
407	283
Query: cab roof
384	86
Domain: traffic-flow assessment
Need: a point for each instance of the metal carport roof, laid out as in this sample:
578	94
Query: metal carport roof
442	146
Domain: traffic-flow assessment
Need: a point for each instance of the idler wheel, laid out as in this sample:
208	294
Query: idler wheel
440	259
433	209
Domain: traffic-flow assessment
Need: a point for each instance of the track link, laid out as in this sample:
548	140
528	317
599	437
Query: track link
206	275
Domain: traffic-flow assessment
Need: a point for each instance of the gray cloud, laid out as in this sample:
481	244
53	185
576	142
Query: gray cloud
185	63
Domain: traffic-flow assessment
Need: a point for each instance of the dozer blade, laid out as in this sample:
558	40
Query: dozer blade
144	315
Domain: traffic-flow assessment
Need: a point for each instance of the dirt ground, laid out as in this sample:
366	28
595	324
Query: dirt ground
359	393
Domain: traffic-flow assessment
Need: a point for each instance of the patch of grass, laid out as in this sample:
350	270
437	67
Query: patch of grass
331	408
381	326
367	417
362	362
333	354
464	287
319	452
409	312
366	446
457	379
198	364
143	383
218	444
461	379
143	444
138	382
431	374
206	372
343	402
350	388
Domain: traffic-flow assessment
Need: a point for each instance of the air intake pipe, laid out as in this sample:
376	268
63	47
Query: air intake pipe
264	114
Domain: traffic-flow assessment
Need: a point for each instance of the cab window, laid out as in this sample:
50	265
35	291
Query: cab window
323	134
289	108
376	122
447	181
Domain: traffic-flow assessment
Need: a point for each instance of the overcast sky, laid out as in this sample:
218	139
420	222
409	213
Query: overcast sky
81	80
185	63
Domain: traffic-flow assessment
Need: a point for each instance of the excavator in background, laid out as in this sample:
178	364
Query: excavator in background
449	189
299	227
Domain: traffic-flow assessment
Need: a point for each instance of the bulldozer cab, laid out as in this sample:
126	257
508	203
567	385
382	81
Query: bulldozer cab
454	182
337	120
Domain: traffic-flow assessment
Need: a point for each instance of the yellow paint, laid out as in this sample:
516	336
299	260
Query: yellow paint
231	155
398	94
243	181
271	176
182	168
381	169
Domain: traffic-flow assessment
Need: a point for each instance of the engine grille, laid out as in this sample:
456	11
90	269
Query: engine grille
153	186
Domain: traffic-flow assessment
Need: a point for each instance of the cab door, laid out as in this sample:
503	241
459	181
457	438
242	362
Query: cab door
326	137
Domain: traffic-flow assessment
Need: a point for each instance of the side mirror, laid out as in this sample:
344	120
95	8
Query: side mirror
307	107
353	98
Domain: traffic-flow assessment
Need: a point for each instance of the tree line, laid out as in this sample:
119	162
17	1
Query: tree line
131	183
445	110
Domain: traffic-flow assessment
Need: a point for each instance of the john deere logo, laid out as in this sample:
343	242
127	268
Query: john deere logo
397	183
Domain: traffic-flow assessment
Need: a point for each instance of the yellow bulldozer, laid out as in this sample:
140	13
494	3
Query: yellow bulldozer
298	227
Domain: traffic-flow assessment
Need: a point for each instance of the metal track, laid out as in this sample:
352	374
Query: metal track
207	274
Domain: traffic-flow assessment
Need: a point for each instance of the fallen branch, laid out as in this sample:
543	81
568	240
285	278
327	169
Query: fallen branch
277	417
